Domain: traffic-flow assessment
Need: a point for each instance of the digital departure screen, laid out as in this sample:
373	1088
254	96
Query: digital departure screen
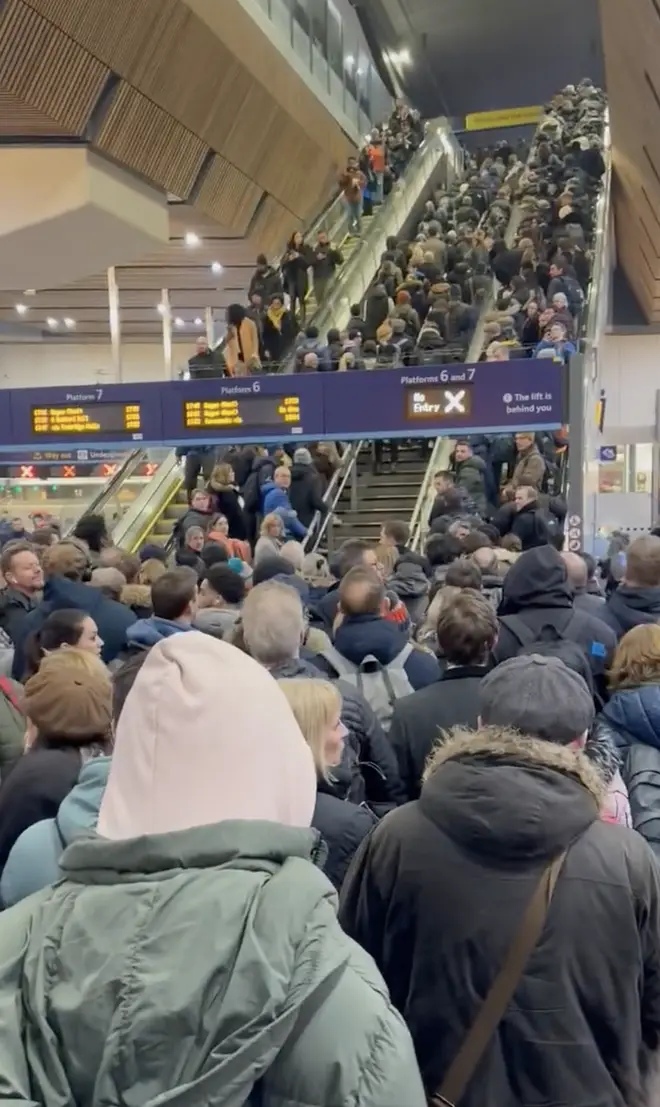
242	411
87	419
436	402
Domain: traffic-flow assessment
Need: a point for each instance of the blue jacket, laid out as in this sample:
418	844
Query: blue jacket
275	499
562	350
147	632
631	720
113	619
34	861
361	635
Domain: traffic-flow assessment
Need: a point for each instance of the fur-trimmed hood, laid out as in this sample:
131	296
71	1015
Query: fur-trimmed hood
136	595
498	792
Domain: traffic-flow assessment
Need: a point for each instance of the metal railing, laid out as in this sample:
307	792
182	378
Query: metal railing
102	498
347	471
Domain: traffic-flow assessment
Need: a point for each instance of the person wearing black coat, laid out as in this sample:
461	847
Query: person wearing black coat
266	282
305	491
226	500
537	603
297	261
377	309
317	706
437	892
528	522
279	331
263	468
466	633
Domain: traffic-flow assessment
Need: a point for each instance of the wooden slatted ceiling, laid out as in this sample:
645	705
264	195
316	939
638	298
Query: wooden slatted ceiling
142	136
631	39
166	52
18	119
228	195
42	66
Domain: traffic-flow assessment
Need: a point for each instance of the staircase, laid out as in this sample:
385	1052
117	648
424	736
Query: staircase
381	496
162	528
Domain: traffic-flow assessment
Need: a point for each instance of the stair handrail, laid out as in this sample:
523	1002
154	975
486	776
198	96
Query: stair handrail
333	494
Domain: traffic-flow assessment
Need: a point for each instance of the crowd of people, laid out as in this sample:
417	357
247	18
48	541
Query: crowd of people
261	334
381	829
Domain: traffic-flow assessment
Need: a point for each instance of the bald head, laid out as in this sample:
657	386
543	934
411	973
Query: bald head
485	559
361	592
576	570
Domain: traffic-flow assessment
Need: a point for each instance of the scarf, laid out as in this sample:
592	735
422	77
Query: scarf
275	316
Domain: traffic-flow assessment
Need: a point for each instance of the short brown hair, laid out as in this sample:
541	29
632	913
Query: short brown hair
475	540
467	629
361	592
512	543
129	564
9	553
65	559
637	657
397	530
464	574
172	593
643	562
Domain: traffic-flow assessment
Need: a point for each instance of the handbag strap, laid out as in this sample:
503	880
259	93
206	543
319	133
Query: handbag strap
494	1006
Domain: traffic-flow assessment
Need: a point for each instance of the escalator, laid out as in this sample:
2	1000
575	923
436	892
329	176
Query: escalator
162	501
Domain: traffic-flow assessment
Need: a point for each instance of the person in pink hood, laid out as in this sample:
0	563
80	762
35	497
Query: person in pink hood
191	953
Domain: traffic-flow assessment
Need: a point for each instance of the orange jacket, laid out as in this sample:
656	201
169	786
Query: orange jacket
241	348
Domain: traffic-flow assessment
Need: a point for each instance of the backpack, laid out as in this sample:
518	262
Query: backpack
381	685
527	638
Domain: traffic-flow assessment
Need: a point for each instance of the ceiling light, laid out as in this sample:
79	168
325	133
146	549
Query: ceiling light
52	323
179	322
192	239
69	323
349	61
30	292
404	57
160	308
216	267
22	308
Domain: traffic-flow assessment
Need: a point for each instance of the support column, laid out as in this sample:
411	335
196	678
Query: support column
576	420
115	323
210	327
166	312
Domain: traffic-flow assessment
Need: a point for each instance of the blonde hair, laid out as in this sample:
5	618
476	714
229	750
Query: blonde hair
637	658
151	571
268	522
222	476
387	557
315	704
427	632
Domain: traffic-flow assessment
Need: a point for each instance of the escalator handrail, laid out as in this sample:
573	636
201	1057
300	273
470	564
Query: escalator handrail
103	495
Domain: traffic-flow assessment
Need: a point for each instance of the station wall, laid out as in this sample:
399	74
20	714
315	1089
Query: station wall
630	374
25	365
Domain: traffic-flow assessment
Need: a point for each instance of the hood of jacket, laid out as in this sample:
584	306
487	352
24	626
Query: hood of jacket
631	606
146	632
217	620
361	635
136	595
80	809
261	462
634	716
504	796
429	338
409	581
301	472
537	579
175	768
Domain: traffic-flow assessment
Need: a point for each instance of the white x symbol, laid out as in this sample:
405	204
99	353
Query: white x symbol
455	402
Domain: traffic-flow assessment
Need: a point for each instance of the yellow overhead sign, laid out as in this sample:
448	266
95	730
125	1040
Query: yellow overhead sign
507	117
